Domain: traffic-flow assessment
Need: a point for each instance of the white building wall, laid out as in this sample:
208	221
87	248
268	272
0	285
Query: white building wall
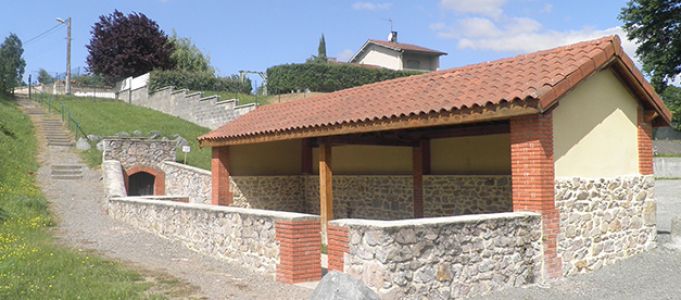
381	56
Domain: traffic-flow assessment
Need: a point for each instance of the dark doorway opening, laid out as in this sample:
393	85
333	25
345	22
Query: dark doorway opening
141	184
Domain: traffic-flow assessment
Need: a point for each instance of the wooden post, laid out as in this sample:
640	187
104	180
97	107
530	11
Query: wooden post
417	174
325	185
221	194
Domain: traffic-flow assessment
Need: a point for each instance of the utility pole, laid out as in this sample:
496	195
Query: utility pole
67	84
68	56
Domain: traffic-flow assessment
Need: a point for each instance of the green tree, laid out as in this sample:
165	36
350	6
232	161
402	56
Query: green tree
11	63
321	50
44	77
321	53
127	45
656	24
672	97
188	57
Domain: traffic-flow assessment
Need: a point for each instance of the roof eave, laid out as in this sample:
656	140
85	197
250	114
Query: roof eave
462	116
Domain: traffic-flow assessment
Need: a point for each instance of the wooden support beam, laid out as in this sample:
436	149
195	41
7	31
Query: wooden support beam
306	157
325	185
417	173
220	181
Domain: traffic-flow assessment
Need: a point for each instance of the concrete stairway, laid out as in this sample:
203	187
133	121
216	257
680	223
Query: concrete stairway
55	133
67	172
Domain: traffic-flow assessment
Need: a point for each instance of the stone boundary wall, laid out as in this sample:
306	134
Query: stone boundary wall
138	152
210	112
390	197
283	193
439	258
667	167
604	220
271	242
184	180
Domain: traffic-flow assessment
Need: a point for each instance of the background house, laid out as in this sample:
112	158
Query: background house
397	56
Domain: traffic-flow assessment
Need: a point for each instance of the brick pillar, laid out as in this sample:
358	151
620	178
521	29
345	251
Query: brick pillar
645	144
532	171
219	166
299	251
337	247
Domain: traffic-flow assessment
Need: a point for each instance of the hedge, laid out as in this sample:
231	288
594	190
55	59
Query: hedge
198	81
318	77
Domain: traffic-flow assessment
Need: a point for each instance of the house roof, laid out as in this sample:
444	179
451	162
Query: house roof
397	47
526	84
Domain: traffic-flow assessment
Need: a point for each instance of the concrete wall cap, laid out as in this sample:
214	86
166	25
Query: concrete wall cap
433	221
277	215
187	167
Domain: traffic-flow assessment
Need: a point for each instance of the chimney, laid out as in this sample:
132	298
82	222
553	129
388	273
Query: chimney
392	37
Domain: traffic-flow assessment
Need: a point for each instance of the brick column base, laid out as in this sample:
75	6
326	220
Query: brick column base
337	247
299	251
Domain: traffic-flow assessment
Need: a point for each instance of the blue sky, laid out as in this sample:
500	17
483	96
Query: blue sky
256	34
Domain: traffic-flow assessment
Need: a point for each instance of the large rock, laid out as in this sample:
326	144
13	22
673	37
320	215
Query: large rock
100	145
180	141
340	286
154	134
94	138
83	144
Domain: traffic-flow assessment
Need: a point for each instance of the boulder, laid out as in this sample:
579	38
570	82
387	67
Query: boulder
137	133
100	145
94	138
122	134
180	141
83	144
340	286
154	134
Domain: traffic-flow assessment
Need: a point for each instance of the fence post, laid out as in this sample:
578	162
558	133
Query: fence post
62	112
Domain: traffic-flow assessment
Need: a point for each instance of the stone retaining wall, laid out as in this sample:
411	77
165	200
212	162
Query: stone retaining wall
604	220
390	197
247	236
138	152
439	258
187	181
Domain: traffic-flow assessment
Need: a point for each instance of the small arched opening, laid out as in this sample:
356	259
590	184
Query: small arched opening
144	181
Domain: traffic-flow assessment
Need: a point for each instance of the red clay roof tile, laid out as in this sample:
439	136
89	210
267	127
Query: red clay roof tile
544	76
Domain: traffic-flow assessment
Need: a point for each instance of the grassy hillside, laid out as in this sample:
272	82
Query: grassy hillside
108	117
32	266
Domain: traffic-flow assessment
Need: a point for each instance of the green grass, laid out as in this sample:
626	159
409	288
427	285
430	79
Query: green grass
668	155
32	265
243	98
108	117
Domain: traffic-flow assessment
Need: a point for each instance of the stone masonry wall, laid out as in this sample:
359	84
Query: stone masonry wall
183	180
390	197
283	193
210	112
131	152
443	258
604	220
245	236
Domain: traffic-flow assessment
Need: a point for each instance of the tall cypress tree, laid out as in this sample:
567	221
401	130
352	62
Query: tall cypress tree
321	50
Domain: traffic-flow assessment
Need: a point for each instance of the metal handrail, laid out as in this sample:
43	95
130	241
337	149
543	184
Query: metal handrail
65	115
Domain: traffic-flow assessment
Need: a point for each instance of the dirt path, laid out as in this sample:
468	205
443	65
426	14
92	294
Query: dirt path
83	224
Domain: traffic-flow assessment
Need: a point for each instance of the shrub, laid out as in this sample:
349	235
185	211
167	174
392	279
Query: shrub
198	81
319	77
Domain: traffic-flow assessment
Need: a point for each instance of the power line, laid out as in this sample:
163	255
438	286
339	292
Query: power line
42	34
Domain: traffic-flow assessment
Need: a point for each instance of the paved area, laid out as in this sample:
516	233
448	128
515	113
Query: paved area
83	224
652	275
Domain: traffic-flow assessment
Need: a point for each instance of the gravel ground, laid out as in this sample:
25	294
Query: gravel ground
83	224
652	275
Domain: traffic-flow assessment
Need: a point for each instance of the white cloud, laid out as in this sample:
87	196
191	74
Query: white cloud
490	8
344	55
371	6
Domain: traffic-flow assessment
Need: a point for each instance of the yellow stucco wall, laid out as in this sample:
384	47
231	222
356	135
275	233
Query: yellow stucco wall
275	158
367	160
594	129
475	155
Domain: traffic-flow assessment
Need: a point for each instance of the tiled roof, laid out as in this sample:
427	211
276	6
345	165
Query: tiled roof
406	47
539	78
